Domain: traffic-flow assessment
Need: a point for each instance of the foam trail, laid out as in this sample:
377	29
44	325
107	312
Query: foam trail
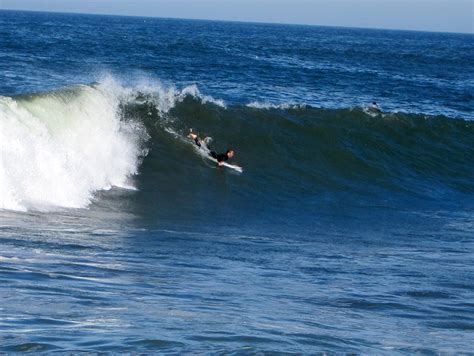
268	105
57	149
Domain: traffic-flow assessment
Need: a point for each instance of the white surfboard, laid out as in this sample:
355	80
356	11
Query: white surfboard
228	165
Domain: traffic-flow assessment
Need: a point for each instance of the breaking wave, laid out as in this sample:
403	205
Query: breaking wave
58	149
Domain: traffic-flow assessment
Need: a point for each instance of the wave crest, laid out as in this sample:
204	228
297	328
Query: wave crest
58	148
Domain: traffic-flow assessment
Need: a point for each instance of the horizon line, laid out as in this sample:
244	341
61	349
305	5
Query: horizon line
239	21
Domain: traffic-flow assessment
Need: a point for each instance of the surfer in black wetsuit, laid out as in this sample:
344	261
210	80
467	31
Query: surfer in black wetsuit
375	107
221	158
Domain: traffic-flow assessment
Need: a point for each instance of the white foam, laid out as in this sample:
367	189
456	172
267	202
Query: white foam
164	97
193	91
268	105
59	148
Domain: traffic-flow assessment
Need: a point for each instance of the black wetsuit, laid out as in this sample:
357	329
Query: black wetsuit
219	157
197	142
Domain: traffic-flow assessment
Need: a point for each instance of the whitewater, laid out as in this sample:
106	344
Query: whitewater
59	148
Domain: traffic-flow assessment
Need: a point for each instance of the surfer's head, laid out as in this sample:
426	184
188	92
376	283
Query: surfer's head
230	153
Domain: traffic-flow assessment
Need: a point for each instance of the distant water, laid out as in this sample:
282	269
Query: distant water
350	229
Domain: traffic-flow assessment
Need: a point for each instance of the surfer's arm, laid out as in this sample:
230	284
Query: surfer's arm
195	138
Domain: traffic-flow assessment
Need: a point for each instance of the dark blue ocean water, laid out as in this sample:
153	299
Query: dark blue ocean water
349	230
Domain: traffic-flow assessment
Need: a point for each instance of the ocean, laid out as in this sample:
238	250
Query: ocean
350	229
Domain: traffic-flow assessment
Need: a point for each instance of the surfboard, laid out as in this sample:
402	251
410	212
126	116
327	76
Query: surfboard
228	165
204	151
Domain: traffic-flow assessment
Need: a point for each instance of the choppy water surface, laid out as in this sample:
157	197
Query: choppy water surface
350	229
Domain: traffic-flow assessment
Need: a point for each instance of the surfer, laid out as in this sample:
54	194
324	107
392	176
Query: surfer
221	158
375	107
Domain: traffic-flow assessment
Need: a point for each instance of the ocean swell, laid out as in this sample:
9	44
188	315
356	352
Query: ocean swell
57	149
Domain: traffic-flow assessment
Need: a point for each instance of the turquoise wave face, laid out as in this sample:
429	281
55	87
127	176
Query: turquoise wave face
299	159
